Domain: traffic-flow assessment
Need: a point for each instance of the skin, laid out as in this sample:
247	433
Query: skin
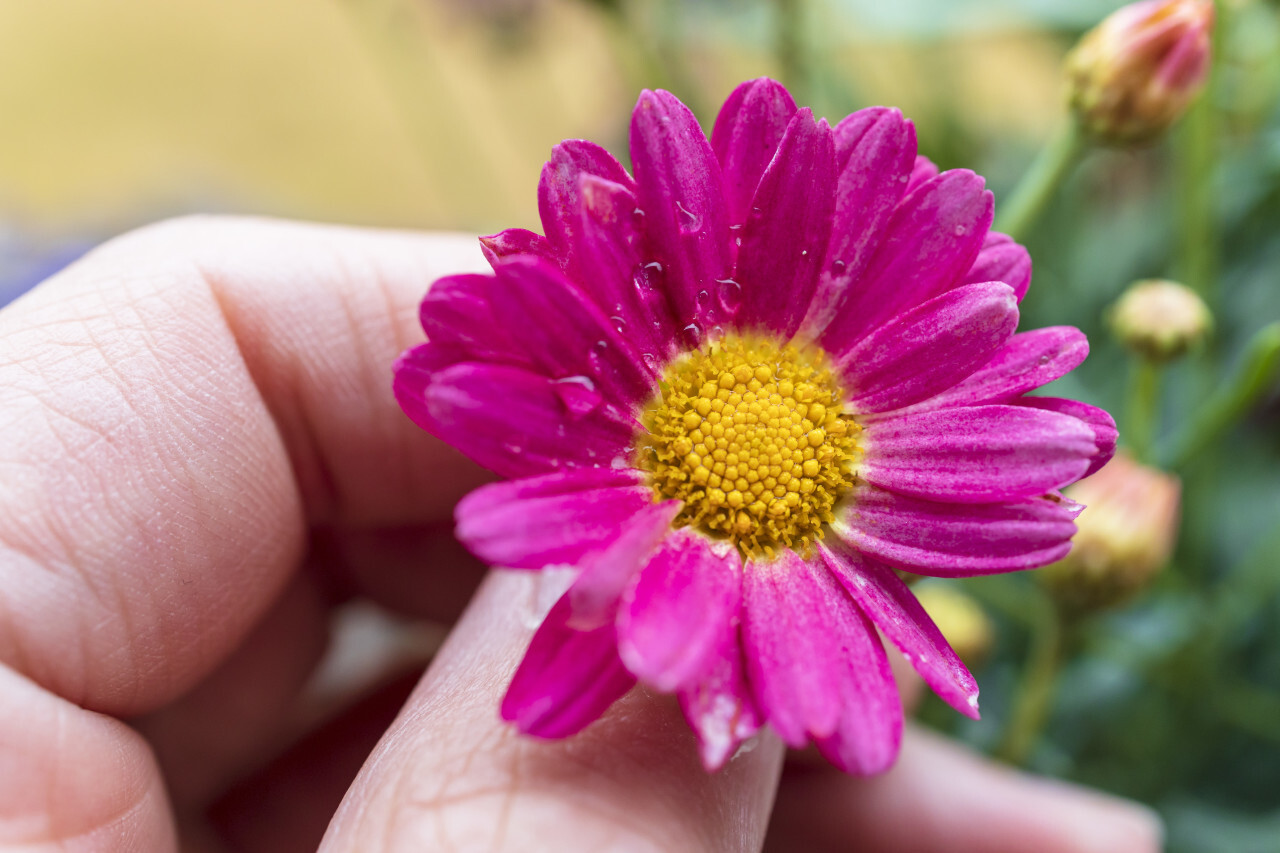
201	459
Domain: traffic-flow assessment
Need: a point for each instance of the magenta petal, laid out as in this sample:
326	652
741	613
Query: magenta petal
929	348
922	170
746	135
676	612
680	192
567	679
507	419
1001	259
1105	434
786	234
556	518
566	333
1027	361
456	316
929	244
516	241
874	151
606	573
894	609
718	703
955	539
816	665
558	187
606	261
977	454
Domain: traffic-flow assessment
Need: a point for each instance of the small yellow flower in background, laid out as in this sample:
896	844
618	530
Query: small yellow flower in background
1135	74
1126	535
961	620
1160	320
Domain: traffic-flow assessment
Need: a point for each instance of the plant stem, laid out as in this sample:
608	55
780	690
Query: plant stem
1039	678
1197	263
1041	180
1259	371
1144	407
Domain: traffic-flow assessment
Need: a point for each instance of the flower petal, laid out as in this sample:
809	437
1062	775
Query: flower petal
977	454
1027	361
955	539
606	573
567	679
874	151
718	704
516	241
456	316
1001	259
566	334
558	188
893	608
1105	434
680	192
922	170
816	665
930	242
746	135
676	612
555	518
786	234
928	348
507	419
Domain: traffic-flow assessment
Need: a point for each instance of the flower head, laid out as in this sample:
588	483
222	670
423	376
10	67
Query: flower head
738	393
1160	320
1134	75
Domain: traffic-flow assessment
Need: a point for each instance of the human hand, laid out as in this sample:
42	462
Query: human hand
201	457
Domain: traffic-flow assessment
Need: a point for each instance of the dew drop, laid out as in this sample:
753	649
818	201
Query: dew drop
804	253
693	332
619	323
961	230
703	296
730	294
512	448
578	394
837	266
650	361
689	221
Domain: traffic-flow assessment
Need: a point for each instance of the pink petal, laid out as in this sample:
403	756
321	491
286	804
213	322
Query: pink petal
606	573
559	188
786	234
929	244
816	665
516	241
893	608
509	420
1105	434
746	135
456	315
1027	361
1001	259
929	348
606	260
674	616
567	679
718	703
955	539
874	151
979	454
680	192
566	334
555	518
922	170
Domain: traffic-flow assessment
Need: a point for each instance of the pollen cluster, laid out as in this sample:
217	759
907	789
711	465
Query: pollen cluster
750	435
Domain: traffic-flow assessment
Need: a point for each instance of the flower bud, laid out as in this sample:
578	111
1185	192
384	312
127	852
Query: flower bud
1160	320
961	620
1125	535
1135	74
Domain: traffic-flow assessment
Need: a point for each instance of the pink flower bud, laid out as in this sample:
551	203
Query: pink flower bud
1135	74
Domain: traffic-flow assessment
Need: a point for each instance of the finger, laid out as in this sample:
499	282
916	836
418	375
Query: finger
450	775
176	408
942	797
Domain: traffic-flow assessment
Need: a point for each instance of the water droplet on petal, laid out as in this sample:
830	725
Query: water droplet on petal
619	323
693	332
578	394
837	266
650	361
804	253
703	296
689	221
961	230
730	295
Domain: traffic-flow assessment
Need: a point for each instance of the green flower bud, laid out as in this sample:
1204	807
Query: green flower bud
1160	320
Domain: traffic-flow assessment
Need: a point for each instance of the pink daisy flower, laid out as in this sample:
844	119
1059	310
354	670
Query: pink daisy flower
737	393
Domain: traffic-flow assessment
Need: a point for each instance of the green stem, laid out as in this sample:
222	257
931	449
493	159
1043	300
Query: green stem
1256	376
1144	408
1039	678
1041	180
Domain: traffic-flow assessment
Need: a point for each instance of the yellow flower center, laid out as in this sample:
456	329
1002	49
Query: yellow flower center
751	435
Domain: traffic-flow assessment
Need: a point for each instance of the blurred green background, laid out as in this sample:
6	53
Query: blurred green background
434	114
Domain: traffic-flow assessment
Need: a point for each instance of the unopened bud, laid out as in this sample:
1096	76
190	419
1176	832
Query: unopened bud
1160	320
1126	534
961	620
1136	73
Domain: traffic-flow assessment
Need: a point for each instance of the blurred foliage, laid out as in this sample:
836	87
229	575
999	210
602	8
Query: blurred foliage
427	113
